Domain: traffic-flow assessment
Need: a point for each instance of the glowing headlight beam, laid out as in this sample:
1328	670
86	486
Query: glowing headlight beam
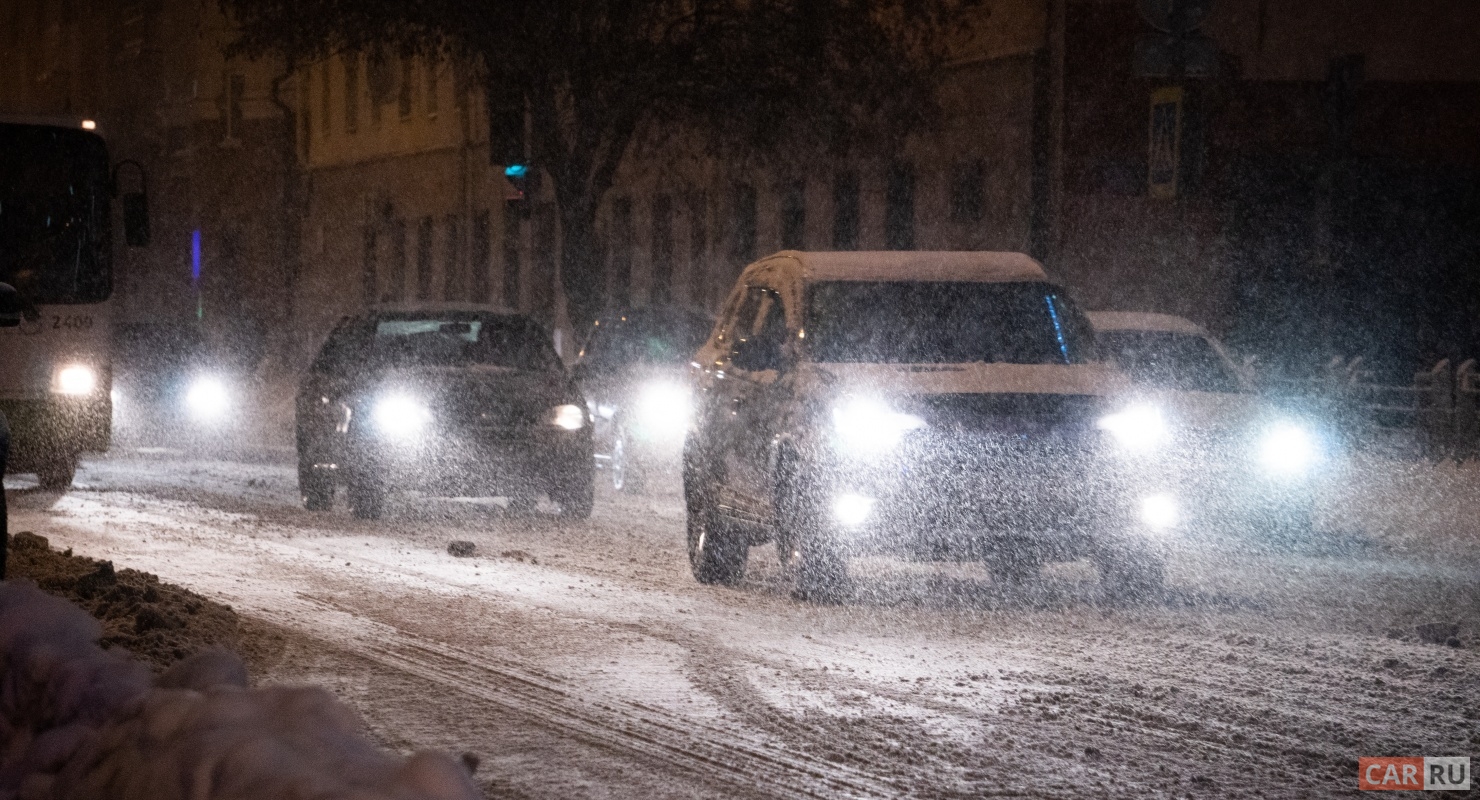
866	427
852	510
1159	512
76	379
568	417
207	399
1139	429
1288	449
400	417
663	409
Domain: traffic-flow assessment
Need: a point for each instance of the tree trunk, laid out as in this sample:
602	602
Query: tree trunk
582	273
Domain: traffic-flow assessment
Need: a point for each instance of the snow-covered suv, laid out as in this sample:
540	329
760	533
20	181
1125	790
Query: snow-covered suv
937	405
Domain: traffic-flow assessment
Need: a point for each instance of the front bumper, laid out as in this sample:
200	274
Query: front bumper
59	426
477	463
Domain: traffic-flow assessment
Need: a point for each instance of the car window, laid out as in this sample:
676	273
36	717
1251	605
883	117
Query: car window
343	350
641	338
937	322
462	340
1169	360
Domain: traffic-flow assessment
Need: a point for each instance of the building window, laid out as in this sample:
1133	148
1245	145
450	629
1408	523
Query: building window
899	208
742	240
845	211
794	215
325	108
662	249
424	259
403	95
698	207
398	261
968	181
236	87
622	252
511	259
482	253
368	267
453	286
351	93
432	89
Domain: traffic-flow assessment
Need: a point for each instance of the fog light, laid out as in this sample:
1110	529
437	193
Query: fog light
569	417
853	509
1159	512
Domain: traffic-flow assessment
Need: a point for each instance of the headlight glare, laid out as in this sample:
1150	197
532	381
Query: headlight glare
400	417
569	417
869	427
207	399
1139	429
1288	449
663	410
75	379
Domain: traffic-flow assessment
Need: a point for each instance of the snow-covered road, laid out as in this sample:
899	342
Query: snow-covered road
581	660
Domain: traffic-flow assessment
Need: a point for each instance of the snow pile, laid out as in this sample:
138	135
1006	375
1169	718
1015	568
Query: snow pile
79	722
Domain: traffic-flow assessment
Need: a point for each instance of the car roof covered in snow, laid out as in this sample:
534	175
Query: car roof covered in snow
917	265
1143	321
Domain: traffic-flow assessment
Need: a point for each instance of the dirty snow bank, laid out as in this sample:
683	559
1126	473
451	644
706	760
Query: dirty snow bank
79	722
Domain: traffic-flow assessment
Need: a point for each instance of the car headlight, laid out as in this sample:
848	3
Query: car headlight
1288	449
400	417
1139	429
663	410
570	417
868	427
75	379
207	399
1159	512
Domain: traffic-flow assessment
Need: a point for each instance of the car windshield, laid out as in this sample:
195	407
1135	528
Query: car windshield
462	340
924	322
53	214
1168	360
624	340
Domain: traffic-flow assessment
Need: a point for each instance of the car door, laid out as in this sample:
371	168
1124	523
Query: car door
323	395
756	367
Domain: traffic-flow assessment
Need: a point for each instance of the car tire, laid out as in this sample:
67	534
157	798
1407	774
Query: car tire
626	476
809	554
366	497
717	553
577	497
57	472
314	487
1130	573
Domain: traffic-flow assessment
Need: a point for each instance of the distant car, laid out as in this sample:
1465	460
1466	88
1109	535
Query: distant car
634	371
172	387
453	400
941	406
1229	458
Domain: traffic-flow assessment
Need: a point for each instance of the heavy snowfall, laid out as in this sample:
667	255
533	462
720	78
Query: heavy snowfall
580	658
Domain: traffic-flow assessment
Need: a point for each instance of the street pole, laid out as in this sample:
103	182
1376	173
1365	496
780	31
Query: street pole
4	520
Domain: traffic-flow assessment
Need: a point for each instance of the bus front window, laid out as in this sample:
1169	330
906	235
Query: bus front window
54	214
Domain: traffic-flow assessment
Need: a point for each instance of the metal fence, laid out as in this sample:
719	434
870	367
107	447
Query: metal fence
1439	412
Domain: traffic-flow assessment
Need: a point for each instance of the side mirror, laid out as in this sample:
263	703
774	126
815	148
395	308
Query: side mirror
756	355
11	310
136	219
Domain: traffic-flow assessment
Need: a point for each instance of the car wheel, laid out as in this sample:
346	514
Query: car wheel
717	554
1130	573
577	496
627	476
366	497
809	553
315	487
57	472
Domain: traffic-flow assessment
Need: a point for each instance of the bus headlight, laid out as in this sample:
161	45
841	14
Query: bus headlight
869	427
1139	429
75	379
568	417
1288	450
400	417
207	399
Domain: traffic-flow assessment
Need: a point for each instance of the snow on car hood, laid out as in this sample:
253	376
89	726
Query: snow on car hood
977	378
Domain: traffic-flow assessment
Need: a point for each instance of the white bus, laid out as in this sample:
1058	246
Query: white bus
56	251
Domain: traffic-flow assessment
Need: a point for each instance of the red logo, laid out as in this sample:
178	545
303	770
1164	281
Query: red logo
1414	773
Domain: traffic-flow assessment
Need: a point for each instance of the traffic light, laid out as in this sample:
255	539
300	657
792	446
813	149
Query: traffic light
507	148
518	199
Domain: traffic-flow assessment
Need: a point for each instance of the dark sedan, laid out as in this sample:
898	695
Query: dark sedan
452	401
